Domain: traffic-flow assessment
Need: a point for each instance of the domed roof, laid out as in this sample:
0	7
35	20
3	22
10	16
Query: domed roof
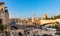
44	14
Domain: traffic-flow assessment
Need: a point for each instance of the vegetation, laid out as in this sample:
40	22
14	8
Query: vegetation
2	27
57	17
53	18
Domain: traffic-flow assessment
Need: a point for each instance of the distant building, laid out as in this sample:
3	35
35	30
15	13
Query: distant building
26	21
44	16
4	15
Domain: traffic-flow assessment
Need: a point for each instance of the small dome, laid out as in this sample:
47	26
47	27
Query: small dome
44	14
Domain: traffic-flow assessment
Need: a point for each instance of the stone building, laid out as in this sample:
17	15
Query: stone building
4	15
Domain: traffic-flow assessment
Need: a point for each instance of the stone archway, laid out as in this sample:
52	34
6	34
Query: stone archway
20	34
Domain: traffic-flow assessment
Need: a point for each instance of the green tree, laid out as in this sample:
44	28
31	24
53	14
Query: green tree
57	17
2	27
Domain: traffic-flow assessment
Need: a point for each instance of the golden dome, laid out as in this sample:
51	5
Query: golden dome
44	16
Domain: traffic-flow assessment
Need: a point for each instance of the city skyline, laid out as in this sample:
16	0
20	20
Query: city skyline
26	8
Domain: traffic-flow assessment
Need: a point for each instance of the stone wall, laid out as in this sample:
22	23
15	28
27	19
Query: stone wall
47	21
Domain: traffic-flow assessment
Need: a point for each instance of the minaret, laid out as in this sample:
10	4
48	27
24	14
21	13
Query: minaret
33	18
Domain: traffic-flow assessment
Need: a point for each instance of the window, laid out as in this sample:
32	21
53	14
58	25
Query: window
2	9
20	34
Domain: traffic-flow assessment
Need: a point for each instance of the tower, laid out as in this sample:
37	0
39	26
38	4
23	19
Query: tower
4	15
33	18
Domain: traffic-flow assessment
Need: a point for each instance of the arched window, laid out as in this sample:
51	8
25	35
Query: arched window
20	34
2	9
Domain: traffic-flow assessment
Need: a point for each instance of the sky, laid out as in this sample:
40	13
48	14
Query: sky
26	8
